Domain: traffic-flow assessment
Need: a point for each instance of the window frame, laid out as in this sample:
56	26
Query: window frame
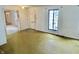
52	20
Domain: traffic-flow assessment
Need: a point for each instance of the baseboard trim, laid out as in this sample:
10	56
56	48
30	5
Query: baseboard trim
53	34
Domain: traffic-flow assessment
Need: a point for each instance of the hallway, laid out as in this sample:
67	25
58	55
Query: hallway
35	42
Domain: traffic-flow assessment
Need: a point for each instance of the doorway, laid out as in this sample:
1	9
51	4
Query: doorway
11	20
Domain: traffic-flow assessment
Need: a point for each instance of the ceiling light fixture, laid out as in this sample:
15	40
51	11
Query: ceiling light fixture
23	7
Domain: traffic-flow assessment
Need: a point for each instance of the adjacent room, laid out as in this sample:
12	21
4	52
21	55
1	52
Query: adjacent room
39	29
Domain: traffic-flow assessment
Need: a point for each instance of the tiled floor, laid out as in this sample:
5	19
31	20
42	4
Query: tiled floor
34	42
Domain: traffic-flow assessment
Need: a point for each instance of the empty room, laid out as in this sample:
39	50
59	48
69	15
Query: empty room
39	29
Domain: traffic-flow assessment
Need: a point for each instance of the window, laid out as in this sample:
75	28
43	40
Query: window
53	19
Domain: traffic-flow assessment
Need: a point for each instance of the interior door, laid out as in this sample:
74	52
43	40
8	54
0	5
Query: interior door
2	28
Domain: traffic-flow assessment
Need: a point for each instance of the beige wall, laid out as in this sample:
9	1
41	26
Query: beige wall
36	17
68	20
32	17
23	18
